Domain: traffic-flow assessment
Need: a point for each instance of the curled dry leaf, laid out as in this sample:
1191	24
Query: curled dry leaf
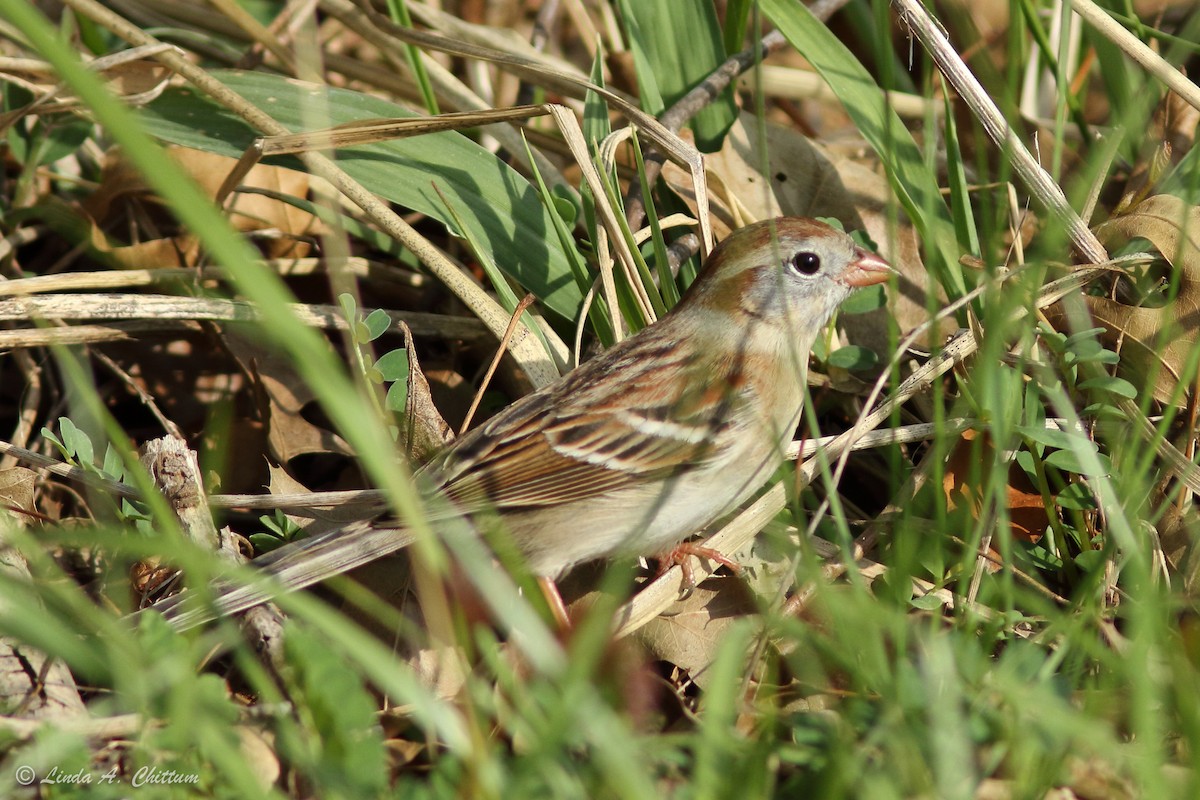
247	212
689	633
1156	342
289	434
254	212
424	431
136	82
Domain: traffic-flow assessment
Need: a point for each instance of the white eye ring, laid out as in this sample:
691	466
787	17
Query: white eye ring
806	262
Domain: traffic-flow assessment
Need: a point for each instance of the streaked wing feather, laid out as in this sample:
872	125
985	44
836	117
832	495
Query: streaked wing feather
573	443
570	458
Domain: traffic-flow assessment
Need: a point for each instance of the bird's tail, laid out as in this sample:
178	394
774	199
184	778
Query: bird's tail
291	567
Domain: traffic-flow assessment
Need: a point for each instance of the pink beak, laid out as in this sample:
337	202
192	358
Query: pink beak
868	269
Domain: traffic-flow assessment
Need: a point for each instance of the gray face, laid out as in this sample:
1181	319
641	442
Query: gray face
806	289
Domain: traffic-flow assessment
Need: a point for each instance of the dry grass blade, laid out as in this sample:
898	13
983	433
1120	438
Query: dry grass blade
119	279
608	215
1137	50
165	307
379	130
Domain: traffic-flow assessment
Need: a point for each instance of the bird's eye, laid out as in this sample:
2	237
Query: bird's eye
806	263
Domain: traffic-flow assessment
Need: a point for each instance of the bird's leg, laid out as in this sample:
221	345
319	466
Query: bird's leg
679	557
558	609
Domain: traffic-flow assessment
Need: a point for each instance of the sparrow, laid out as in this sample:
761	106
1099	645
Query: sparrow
640	447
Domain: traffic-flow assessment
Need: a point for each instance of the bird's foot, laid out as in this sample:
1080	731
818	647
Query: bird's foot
679	556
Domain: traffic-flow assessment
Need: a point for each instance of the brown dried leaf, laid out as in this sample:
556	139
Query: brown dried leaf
425	432
253	212
138	81
16	492
177	251
31	685
259	754
316	520
738	194
1156	342
247	212
289	434
689	633
1026	512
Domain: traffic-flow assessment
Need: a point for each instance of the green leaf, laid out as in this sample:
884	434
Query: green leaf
1090	560
737	15
1024	460
394	365
669	291
114	467
1056	438
78	443
377	323
265	542
1070	461
853	358
596	124
1055	340
1077	497
1083	348
397	397
864	300
926	602
60	139
1088	337
680	43
1082	354
51	437
339	741
501	208
960	186
647	78
1102	410
564	205
1107	383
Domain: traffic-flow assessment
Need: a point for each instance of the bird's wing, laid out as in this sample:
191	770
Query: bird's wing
562	447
